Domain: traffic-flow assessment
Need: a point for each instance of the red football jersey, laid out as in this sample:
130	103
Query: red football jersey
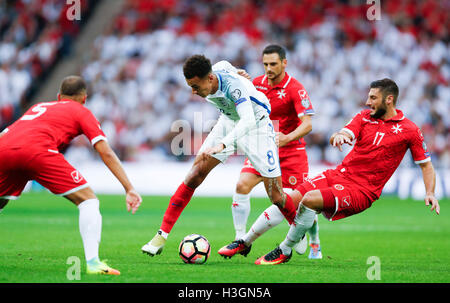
379	148
51	126
289	101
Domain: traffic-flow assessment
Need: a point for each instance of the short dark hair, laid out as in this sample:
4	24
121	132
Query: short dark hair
387	87
274	48
72	86
196	66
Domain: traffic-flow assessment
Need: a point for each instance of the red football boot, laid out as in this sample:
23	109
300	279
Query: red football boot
273	258
235	247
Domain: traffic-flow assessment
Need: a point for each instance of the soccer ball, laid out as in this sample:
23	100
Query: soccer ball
194	249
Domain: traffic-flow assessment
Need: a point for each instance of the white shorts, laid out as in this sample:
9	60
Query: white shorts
258	145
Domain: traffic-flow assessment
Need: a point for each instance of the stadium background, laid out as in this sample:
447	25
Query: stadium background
131	53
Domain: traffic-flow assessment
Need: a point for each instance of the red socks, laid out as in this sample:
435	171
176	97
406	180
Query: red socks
184	194
176	205
288	210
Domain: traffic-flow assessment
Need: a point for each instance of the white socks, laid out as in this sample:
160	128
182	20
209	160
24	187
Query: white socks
240	210
90	223
163	234
271	217
303	221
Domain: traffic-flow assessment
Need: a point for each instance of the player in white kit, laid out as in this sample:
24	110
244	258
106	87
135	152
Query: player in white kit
244	124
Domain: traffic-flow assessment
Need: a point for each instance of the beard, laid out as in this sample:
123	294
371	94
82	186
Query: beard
380	111
273	76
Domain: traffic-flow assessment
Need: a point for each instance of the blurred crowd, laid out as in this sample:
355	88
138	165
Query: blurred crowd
33	35
138	92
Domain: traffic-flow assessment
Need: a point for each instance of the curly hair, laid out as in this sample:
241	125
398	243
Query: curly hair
196	66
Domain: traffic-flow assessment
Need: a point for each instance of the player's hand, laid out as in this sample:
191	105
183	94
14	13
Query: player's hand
134	200
339	140
281	139
214	150
244	74
431	200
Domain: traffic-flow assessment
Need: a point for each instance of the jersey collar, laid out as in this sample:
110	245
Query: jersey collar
219	78
398	117
283	84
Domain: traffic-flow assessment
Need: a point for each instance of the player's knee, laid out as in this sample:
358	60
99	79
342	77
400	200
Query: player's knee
309	200
278	199
296	197
81	195
243	187
195	178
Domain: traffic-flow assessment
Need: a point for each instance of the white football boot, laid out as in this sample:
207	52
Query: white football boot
301	246
315	251
155	246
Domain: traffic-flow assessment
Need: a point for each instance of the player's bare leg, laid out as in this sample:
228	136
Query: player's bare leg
3	203
278	197
203	164
90	224
310	204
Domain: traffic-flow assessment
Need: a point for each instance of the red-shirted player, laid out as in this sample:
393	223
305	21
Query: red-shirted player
291	111
30	150
381	136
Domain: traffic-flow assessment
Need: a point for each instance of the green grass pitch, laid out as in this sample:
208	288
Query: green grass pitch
39	232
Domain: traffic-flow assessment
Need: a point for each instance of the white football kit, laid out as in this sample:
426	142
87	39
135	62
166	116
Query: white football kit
244	122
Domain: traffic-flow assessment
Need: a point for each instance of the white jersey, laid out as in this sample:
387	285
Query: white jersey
244	123
238	100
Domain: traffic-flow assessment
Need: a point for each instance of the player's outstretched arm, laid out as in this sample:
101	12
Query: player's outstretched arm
340	138
429	179
111	160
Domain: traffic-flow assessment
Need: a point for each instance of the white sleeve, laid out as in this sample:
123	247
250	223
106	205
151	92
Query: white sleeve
246	122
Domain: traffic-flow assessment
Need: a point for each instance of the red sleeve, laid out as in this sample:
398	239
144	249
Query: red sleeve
301	101
91	127
354	126
418	147
258	80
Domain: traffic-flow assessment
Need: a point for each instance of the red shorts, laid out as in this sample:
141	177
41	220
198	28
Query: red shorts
341	198
49	168
293	164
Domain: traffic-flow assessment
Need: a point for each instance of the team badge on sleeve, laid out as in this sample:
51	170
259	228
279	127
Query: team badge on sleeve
236	94
420	134
302	93
305	103
304	97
